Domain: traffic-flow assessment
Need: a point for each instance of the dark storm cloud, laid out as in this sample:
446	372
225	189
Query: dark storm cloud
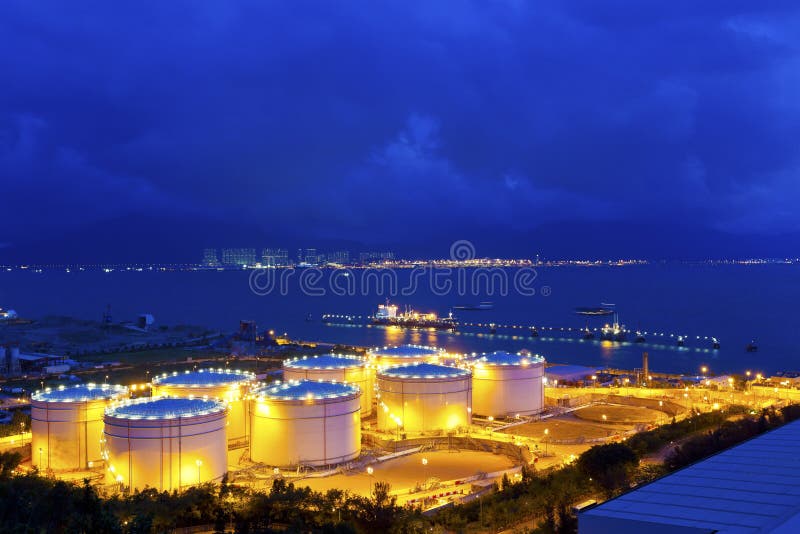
329	117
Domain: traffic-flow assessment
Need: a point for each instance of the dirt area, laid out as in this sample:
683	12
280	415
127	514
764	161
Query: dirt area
406	472
620	414
565	427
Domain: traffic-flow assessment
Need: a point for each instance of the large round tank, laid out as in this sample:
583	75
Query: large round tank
422	397
335	368
231	386
306	422
403	355
166	443
67	425
506	384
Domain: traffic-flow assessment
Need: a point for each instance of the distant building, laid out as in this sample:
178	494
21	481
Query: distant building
340	256
210	258
310	256
238	256
275	257
373	257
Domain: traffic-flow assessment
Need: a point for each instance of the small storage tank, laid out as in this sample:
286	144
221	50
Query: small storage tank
306	422
67	425
507	384
384	357
166	443
422	397
335	368
231	386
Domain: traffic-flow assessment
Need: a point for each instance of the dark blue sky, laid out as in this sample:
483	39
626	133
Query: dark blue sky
330	120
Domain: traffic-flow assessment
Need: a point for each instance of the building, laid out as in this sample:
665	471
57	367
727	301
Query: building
306	423
341	257
423	397
67	425
749	488
375	257
210	258
275	257
240	257
506	384
165	443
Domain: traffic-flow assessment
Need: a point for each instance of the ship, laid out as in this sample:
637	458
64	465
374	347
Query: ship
613	331
387	315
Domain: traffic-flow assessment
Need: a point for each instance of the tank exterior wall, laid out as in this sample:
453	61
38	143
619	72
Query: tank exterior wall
363	377
164	453
507	390
66	435
233	394
311	432
423	405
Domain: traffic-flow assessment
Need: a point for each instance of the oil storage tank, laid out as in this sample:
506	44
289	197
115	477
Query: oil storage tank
165	443
306	422
335	368
231	386
67	425
423	397
384	357
507	384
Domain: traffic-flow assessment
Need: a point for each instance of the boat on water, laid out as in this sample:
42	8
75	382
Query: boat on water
475	307
613	331
752	346
387	315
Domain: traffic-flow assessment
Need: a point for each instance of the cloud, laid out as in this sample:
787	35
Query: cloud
327	119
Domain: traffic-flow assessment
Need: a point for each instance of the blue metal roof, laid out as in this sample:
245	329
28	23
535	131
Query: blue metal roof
80	392
501	357
165	408
308	389
406	351
424	370
209	377
325	361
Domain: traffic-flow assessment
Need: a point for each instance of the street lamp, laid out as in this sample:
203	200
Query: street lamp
40	457
199	463
605	419
546	433
369	472
106	382
425	469
594	381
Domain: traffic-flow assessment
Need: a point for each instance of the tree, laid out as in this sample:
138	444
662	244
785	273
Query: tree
609	465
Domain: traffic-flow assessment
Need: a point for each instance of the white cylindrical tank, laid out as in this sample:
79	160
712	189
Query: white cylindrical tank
335	368
165	443
231	386
384	357
422	397
306	422
67	425
506	384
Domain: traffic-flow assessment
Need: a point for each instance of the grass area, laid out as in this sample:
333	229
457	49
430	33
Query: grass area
620	414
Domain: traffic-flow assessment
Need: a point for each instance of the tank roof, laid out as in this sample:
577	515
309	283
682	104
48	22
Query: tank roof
308	389
406	351
165	408
204	377
82	392
325	361
424	370
501	357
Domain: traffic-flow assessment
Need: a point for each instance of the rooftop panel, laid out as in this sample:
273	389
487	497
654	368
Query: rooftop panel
325	361
81	392
308	389
205	377
424	370
165	408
